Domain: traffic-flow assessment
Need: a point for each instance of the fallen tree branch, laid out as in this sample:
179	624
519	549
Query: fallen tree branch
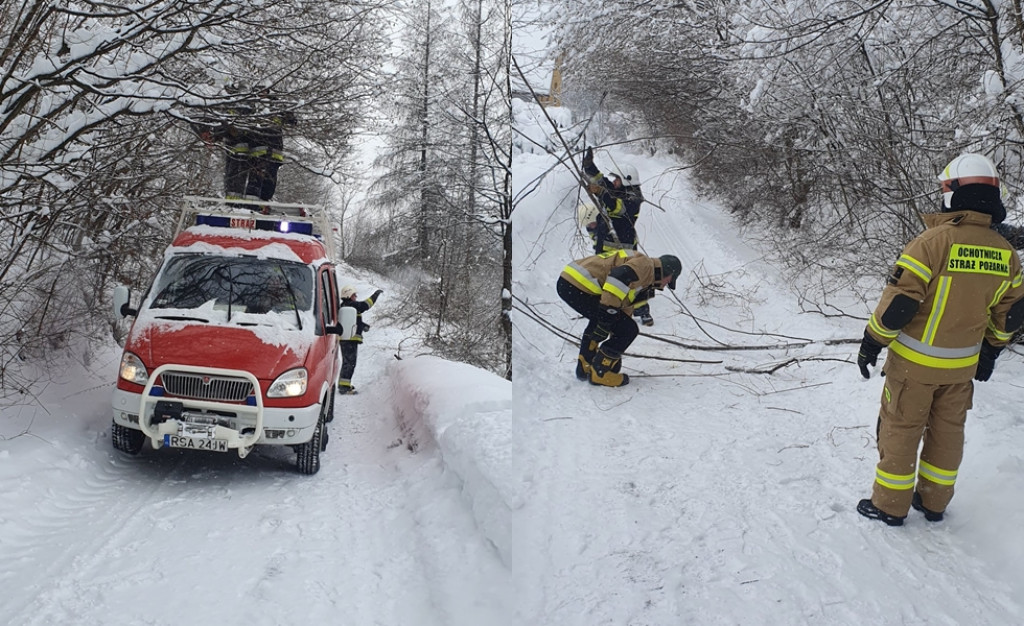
778	366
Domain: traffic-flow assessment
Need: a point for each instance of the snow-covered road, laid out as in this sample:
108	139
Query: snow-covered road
380	536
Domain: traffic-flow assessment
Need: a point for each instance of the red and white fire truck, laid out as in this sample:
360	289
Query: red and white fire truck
234	344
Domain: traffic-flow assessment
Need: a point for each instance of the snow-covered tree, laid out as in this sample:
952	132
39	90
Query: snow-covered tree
95	146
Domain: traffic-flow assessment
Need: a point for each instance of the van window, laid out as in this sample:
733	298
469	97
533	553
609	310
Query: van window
250	284
328	298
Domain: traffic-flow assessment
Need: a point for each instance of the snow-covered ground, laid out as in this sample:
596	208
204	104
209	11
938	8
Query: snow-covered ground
710	494
702	493
381	535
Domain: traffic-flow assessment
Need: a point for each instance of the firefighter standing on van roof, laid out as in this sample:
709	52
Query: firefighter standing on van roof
350	347
605	288
951	304
253	138
621	198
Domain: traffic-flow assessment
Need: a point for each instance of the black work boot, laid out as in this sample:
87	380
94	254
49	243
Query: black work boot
868	509
603	370
930	515
587	351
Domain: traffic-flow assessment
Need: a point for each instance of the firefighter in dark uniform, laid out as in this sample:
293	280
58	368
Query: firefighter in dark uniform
952	302
603	288
350	347
268	151
621	197
253	144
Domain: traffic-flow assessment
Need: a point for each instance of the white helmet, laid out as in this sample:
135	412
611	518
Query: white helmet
628	175
347	292
586	213
967	169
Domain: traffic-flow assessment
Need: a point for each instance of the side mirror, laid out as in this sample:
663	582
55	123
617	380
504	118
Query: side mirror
122	296
346	323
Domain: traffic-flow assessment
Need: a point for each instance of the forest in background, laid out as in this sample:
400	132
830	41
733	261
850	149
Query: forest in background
96	152
826	121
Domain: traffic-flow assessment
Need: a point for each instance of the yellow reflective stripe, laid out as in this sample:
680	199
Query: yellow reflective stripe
625	254
617	288
620	207
932	361
611	246
999	293
880	330
587	281
998	334
937	475
899	482
915	266
1018	280
938	308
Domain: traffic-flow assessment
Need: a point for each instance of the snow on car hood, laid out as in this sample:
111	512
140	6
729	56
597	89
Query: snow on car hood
265	350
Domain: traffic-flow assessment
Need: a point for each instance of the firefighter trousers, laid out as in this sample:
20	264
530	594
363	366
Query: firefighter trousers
913	412
349	356
622	331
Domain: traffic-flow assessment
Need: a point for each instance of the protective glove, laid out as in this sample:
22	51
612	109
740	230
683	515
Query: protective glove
868	355
377	294
644	294
986	361
588	157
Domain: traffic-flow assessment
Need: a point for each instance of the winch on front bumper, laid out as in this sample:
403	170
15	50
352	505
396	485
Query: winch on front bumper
202	408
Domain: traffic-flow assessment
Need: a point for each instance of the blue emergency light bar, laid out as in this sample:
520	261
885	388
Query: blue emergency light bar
254	223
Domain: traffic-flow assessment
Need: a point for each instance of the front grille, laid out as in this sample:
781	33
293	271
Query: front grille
202	387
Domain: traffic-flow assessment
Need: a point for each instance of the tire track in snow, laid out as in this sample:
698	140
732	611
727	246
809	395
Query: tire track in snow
87	509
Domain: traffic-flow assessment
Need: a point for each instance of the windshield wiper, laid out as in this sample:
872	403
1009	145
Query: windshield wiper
187	318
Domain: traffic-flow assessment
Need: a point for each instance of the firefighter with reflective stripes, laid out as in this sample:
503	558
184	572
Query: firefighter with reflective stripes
605	288
952	302
350	347
253	138
621	198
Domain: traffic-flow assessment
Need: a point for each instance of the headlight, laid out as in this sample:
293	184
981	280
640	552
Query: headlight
133	370
290	384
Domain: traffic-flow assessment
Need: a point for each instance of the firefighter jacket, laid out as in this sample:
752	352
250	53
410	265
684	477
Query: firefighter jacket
952	287
616	277
361	306
622	206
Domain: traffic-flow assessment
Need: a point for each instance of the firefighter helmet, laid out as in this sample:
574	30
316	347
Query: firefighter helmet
671	266
628	175
347	292
967	169
586	213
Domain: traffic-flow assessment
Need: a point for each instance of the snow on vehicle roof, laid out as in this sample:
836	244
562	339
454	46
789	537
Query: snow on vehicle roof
262	244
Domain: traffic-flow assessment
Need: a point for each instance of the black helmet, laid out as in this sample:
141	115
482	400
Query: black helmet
670	266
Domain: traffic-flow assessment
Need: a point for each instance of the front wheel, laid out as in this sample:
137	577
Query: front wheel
307	458
330	408
127	440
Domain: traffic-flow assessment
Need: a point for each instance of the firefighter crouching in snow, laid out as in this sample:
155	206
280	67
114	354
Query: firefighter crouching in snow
605	288
951	304
350	347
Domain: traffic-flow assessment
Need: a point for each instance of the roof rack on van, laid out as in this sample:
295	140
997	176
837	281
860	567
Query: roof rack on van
307	219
